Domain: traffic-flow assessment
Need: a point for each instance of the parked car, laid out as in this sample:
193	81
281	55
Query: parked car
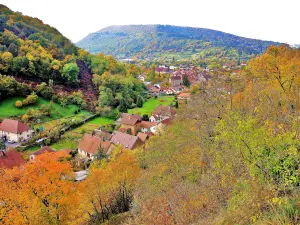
11	141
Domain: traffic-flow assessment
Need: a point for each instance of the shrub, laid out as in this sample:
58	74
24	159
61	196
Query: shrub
19	104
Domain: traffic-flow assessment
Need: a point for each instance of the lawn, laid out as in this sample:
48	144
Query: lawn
71	138
8	109
151	104
100	121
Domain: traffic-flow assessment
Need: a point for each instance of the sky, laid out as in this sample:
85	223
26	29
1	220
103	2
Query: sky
275	20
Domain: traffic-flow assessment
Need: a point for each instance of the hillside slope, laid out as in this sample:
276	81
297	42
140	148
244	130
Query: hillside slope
152	41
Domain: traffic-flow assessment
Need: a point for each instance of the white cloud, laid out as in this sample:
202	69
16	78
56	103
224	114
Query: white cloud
275	20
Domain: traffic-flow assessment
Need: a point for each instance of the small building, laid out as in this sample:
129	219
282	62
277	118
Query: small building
130	121
148	126
89	146
40	152
127	140
162	112
14	130
143	137
10	159
154	90
184	96
175	81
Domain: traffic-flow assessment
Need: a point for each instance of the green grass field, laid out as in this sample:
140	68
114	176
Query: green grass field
8	108
71	138
100	121
151	104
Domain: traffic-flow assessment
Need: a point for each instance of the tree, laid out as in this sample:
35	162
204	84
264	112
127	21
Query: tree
186	81
6	59
139	101
176	105
19	104
13	49
2	145
145	117
123	106
70	72
41	192
108	189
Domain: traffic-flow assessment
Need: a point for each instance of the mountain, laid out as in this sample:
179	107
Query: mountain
153	41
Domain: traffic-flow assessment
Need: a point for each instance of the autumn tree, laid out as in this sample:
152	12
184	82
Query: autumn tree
108	189
43	192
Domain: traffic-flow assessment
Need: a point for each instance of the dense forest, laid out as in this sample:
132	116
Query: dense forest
170	42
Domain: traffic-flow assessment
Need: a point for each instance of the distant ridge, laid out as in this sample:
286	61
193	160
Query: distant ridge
154	41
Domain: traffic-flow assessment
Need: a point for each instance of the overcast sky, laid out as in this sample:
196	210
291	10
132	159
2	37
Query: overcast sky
276	20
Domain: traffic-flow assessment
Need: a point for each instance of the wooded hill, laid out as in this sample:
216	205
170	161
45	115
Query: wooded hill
154	41
33	51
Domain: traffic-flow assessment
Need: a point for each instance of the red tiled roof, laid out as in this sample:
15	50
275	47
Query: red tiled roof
91	144
142	136
175	77
184	95
167	121
162	110
127	140
13	126
11	159
43	150
148	125
129	119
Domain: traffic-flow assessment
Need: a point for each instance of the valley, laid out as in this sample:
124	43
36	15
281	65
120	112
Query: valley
146	124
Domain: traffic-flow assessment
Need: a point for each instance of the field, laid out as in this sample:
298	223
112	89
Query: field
151	104
8	109
71	138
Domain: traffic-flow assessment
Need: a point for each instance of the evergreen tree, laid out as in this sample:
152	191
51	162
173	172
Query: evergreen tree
186	81
123	107
139	102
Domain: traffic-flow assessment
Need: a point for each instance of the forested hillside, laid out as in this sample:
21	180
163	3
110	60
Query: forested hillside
34	52
159	41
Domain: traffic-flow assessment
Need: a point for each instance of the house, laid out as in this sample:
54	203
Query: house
10	159
148	126
153	90
15	131
175	81
40	152
143	137
89	145
130	121
184	96
127	140
162	112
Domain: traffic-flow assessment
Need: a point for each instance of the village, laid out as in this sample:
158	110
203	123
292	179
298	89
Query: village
132	130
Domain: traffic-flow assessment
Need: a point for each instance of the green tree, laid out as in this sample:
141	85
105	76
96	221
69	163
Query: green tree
123	106
70	72
139	101
186	81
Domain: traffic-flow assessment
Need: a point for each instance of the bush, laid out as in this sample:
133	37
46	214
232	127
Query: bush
30	99
19	104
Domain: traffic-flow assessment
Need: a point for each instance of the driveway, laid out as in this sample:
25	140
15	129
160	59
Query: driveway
9	145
